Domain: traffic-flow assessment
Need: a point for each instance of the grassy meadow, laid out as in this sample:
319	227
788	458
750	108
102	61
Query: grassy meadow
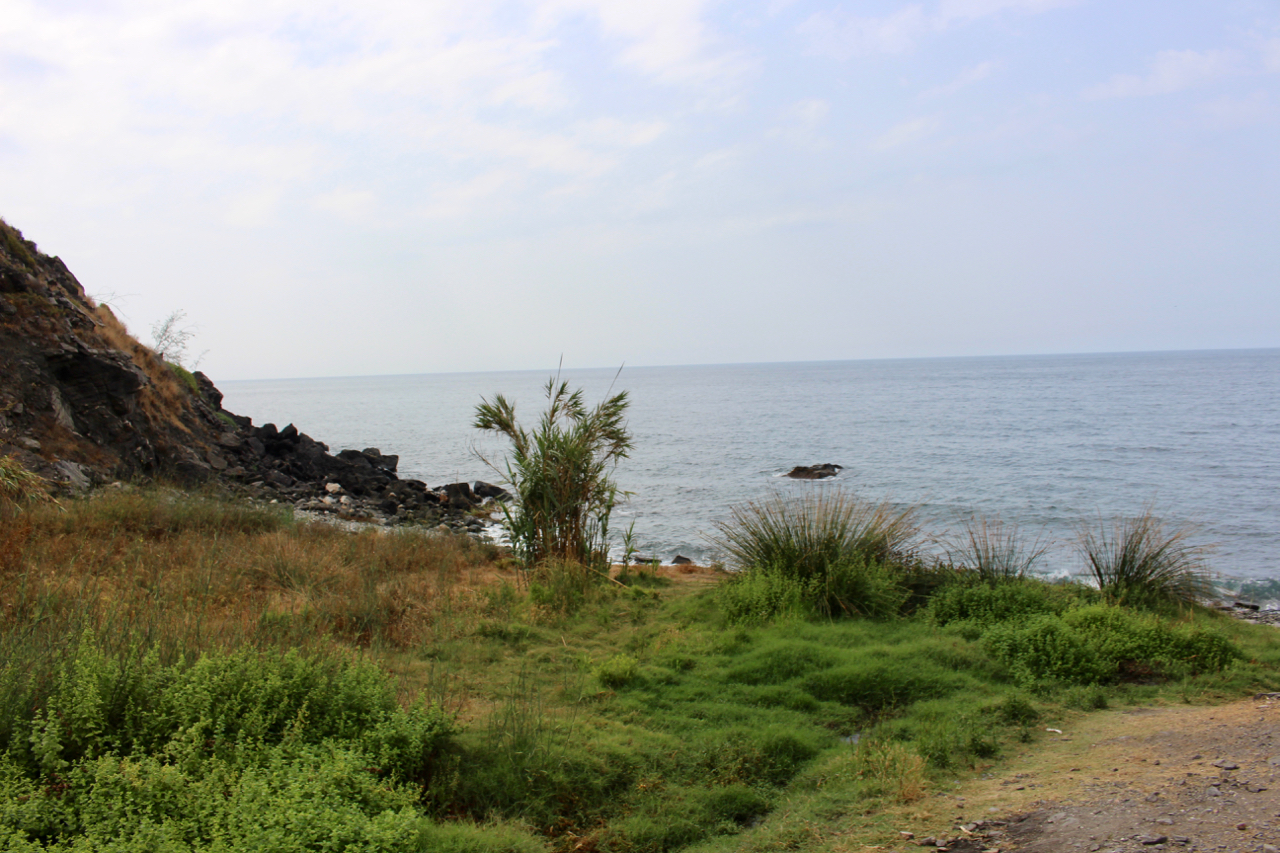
184	673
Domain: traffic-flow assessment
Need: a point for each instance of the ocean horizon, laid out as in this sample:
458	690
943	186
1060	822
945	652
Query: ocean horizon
1046	442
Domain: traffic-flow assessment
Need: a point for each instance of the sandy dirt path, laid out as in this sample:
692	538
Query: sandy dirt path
1159	778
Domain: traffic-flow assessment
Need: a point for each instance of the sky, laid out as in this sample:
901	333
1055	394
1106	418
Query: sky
330	189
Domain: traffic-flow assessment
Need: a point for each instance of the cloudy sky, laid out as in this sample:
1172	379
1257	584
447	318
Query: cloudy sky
402	187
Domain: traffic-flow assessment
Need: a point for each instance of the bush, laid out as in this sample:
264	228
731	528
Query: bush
1136	561
560	472
989	604
618	671
763	595
284	752
1100	644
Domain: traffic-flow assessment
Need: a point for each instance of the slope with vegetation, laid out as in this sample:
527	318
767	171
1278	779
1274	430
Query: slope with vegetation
187	674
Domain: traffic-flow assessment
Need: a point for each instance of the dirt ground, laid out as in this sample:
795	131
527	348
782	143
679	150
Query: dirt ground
1160	778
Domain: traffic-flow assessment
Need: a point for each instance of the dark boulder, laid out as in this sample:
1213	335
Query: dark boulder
460	496
485	490
814	472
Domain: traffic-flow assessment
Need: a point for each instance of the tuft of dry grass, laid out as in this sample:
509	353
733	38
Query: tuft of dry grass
1138	561
994	549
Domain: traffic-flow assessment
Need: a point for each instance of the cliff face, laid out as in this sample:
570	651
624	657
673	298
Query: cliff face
82	402
80	399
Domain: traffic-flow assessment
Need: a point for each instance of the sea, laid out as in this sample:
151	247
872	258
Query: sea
1051	444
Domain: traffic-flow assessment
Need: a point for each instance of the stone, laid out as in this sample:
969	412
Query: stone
75	474
29	443
815	472
333	488
678	560
485	490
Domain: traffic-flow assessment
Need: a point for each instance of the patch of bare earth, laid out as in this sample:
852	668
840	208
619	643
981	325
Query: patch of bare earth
1160	778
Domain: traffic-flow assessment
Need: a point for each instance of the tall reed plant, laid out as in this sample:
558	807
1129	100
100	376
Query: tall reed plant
560	471
1138	561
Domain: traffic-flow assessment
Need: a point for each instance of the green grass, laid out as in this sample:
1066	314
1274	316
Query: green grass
501	710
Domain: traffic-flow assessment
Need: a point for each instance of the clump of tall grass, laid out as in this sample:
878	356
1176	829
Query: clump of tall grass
560	471
833	552
994	549
806	536
18	486
1138	561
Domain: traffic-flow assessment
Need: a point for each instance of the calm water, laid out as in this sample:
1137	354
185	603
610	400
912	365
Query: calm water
1044	441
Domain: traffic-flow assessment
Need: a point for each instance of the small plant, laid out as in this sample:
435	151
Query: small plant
1136	561
618	671
994	550
170	339
560	472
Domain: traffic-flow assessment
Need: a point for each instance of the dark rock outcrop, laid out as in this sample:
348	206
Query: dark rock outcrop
82	402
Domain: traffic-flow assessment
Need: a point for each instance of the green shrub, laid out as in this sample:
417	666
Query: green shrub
186	377
1137	562
560	473
618	671
1099	644
989	604
1044	648
764	595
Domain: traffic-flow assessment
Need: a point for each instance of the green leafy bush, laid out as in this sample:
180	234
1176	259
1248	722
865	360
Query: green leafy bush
1099	644
618	671
764	595
286	752
988	604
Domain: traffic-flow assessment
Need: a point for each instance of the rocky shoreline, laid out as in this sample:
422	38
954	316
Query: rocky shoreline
83	404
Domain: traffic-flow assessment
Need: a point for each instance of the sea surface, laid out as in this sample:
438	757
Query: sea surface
1049	443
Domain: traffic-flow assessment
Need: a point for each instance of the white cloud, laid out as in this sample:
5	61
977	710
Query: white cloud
1169	72
976	74
962	10
843	35
802	123
666	39
1271	55
906	133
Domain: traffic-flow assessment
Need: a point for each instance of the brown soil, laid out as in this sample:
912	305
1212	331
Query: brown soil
1159	778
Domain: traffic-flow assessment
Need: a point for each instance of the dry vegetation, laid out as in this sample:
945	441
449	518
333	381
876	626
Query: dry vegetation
202	574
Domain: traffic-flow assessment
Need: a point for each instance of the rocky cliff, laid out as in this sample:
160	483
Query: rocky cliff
83	402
